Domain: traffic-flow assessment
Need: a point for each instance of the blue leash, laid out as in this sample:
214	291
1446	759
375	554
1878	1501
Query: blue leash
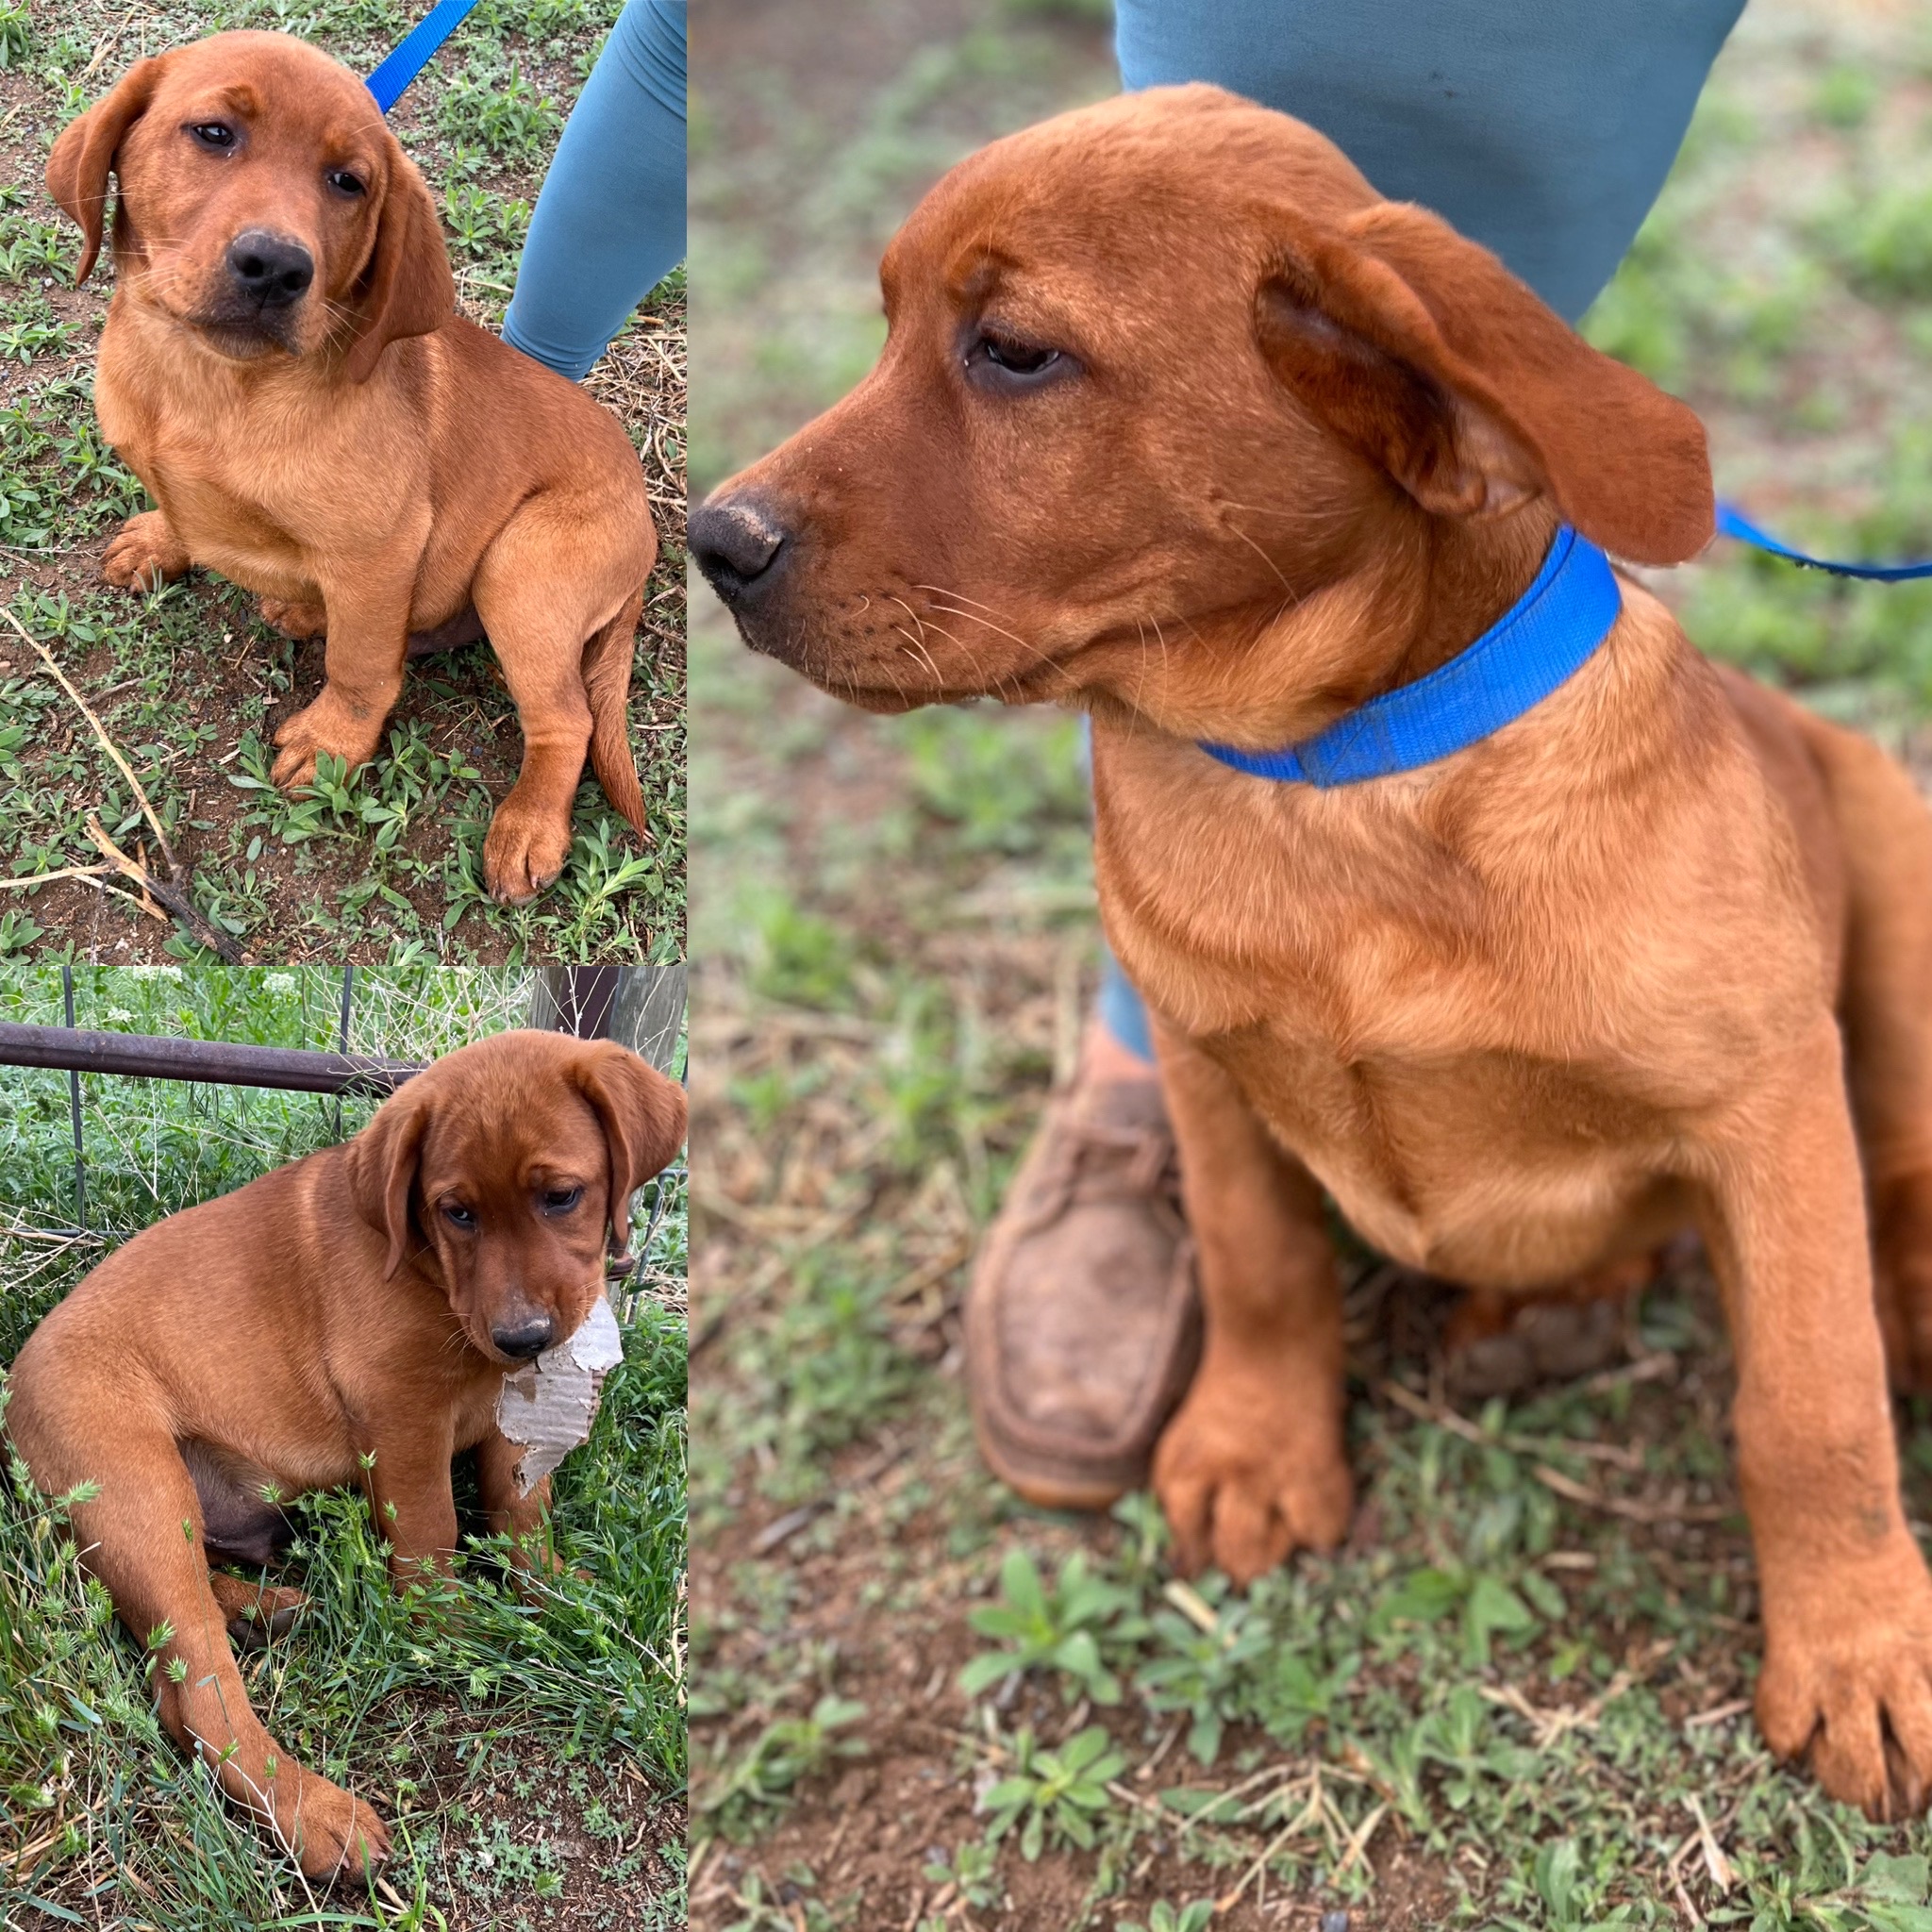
418	47
1731	521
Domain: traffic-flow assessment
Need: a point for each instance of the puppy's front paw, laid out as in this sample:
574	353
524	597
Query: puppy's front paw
1847	1681
256	1613
525	851
298	621
326	725
145	554
1247	1477
332	1834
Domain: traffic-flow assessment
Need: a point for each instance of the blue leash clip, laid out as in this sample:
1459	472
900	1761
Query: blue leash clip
417	49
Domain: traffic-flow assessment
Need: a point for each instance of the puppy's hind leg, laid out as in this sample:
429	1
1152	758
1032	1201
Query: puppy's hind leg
256	1613
543	591
298	621
143	1535
1886	1010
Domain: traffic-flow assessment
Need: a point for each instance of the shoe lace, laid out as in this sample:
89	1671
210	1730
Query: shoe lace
1135	1160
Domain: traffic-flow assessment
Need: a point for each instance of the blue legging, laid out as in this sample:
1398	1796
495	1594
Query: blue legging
610	222
1542	128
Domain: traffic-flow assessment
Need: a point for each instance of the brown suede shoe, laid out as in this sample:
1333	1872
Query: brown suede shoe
1083	1325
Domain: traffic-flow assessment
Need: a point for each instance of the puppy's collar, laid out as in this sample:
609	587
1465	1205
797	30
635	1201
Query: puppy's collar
1538	643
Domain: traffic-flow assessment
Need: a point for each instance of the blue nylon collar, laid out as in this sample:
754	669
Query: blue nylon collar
1539	642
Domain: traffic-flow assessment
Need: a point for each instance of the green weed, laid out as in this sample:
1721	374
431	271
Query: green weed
1054	1797
784	1751
1195	1916
1046	1629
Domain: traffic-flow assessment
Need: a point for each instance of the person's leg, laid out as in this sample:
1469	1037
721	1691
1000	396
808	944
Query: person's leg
1544	133
610	222
1123	1017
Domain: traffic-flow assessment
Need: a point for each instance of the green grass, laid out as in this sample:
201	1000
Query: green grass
383	864
1519	1697
530	1755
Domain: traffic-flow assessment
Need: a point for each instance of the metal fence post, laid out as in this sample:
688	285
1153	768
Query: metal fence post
576	999
343	1035
73	1109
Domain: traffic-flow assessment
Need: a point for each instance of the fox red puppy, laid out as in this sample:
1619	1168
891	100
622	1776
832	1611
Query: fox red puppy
348	1319
1178	421
284	369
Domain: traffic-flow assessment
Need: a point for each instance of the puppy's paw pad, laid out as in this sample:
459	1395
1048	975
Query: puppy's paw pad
327	726
523	856
336	1835
144	554
294	770
298	621
1244	1499
1850	1688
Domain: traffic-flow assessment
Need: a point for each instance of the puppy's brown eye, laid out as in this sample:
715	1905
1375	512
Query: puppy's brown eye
344	182
215	134
561	1200
1022	358
459	1216
1003	361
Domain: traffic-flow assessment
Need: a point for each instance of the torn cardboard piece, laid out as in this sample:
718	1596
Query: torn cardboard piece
546	1408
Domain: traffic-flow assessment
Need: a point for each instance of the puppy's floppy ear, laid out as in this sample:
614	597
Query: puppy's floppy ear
383	1159
407	290
1421	350
83	158
643	1116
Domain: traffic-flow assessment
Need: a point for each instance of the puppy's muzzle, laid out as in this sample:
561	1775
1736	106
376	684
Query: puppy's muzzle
741	547
269	271
525	1338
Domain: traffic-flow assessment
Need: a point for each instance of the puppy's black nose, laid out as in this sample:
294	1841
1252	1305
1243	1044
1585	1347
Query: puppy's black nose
523	1340
272	269
738	543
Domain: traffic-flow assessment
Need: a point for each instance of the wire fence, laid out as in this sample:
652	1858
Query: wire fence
641	1006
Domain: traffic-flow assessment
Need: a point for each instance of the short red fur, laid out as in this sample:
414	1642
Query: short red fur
1657	954
376	467
332	1323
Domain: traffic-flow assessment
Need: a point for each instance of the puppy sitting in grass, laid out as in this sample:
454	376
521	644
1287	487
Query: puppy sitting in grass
348	1319
1180	422
284	369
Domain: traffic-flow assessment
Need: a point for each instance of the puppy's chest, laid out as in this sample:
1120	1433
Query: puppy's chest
192	471
222	532
250	488
475	1414
1490	1166
1477	1088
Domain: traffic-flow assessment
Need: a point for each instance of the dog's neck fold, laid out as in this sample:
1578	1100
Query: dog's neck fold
1392	613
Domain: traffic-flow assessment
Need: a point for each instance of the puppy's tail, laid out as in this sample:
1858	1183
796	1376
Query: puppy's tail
607	682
